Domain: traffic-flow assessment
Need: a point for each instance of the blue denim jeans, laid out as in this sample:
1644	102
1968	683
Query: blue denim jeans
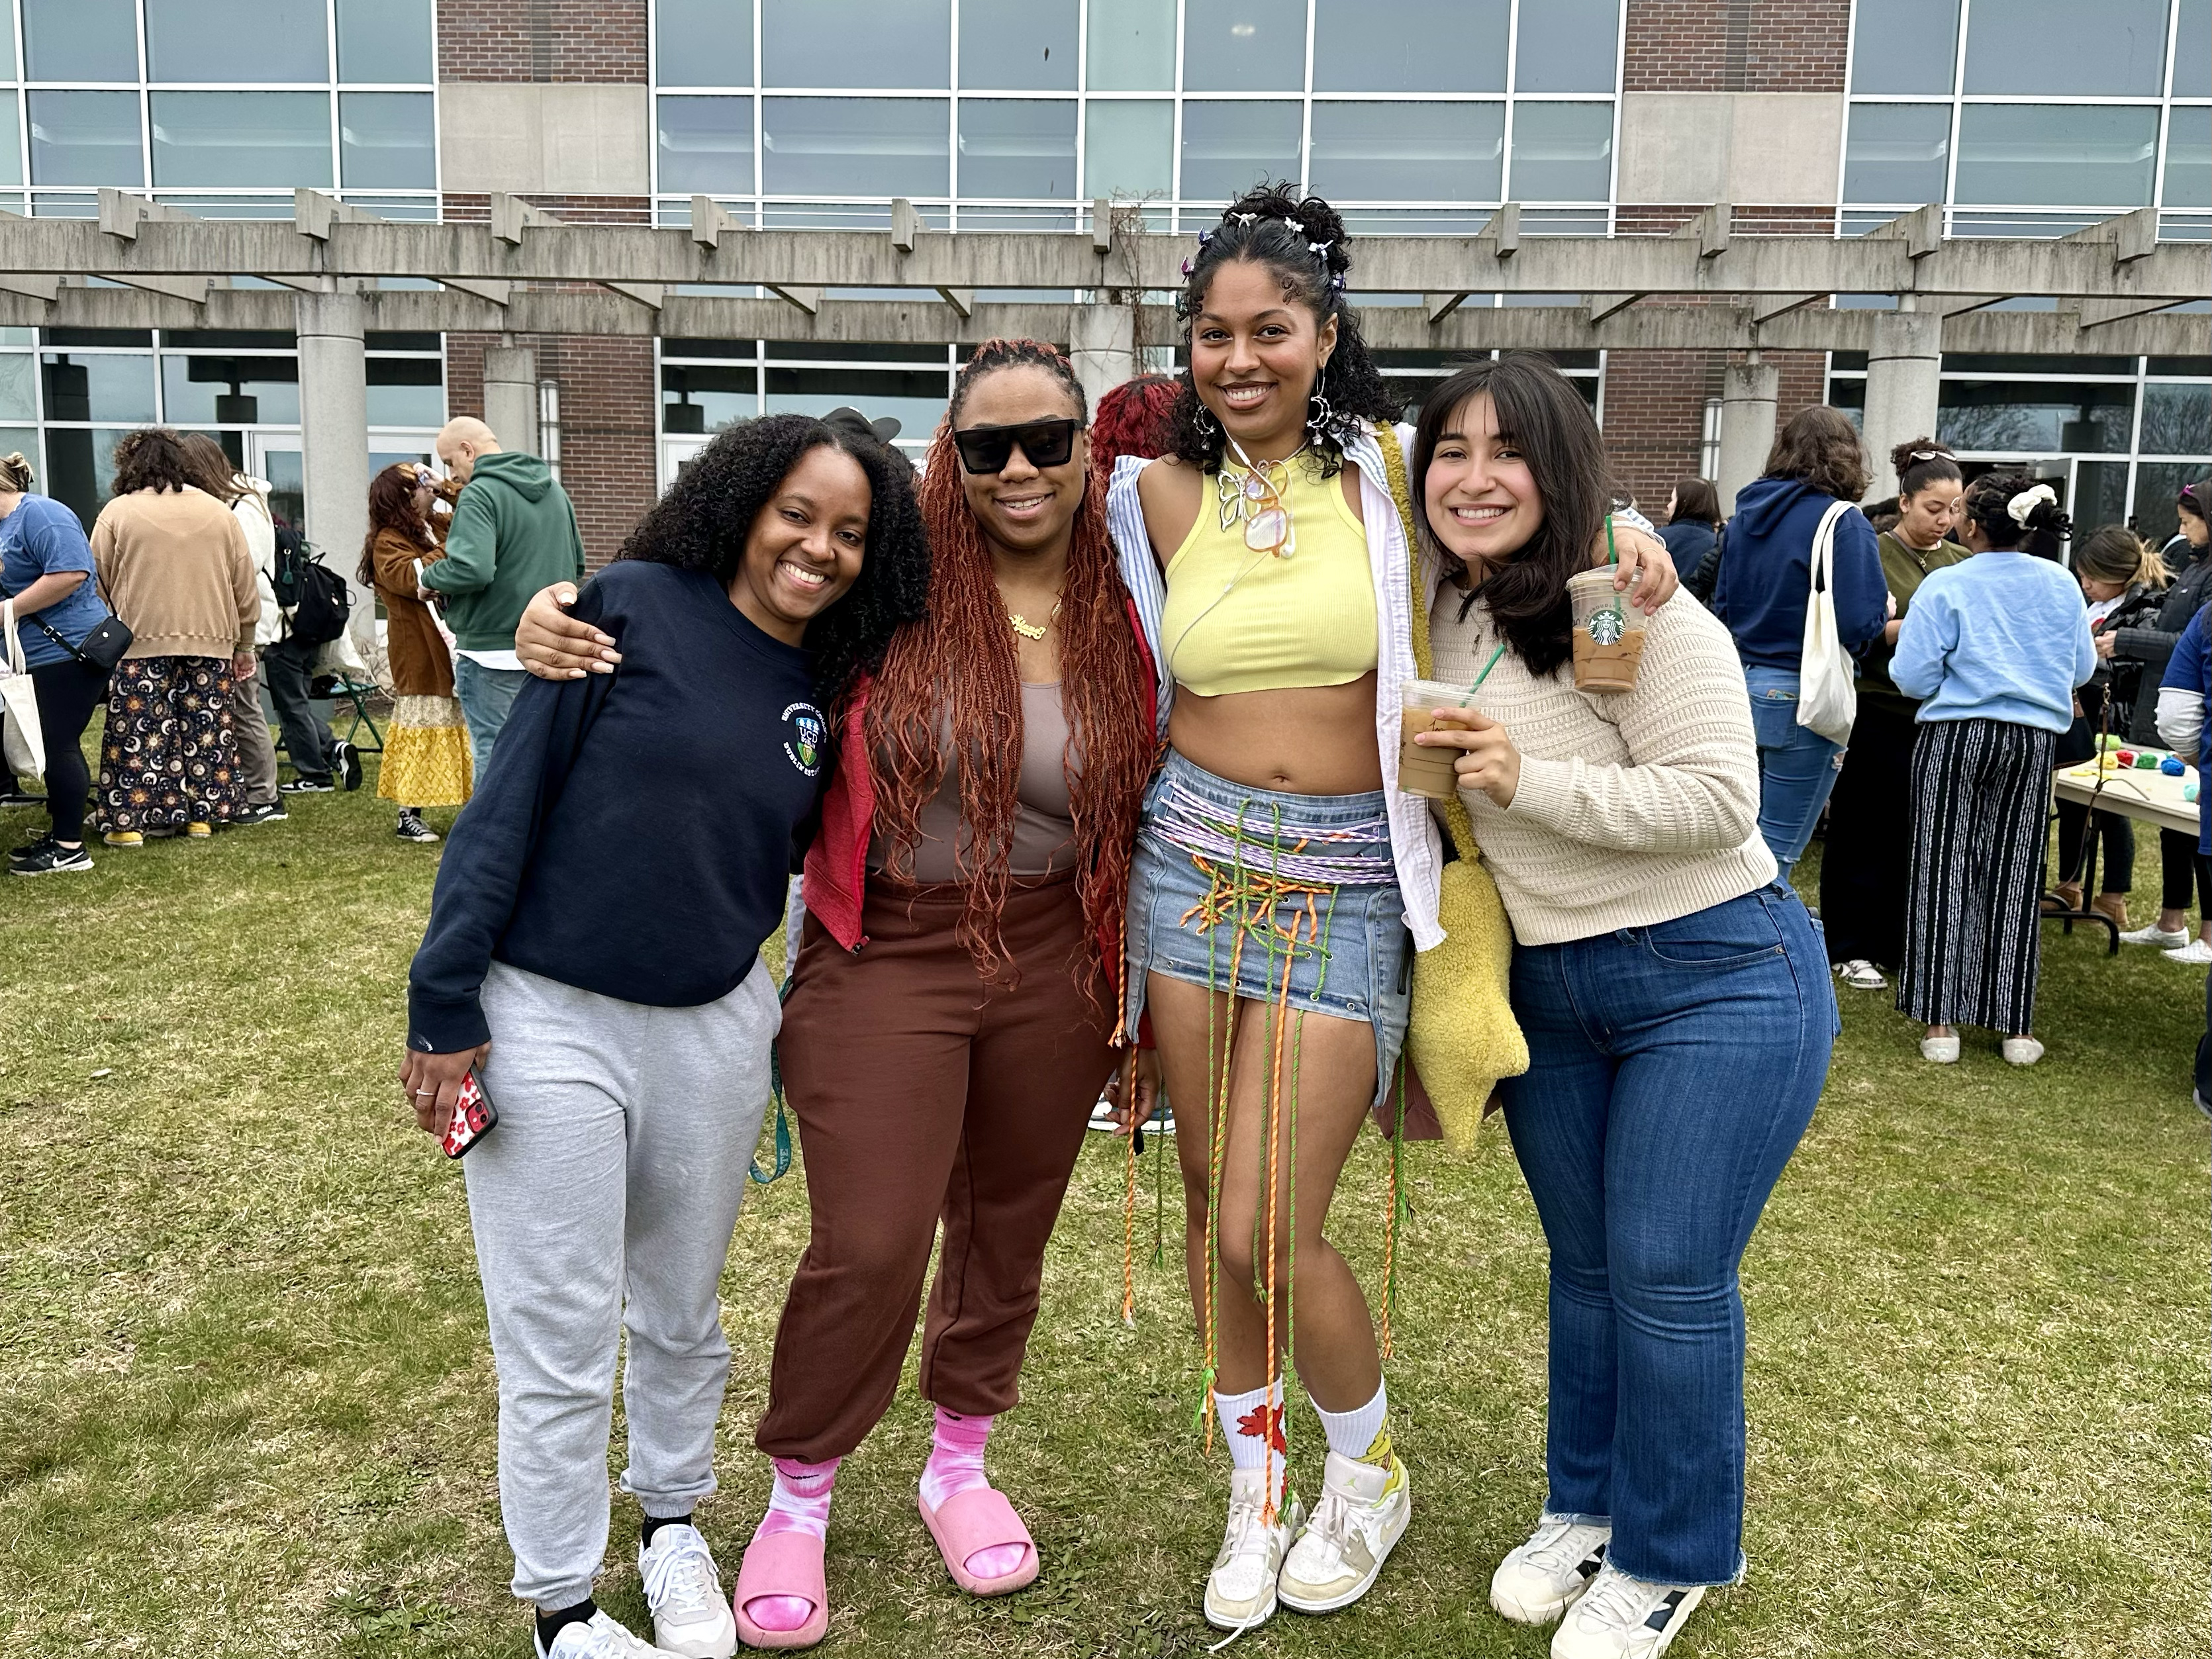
486	695
1672	1070
1797	766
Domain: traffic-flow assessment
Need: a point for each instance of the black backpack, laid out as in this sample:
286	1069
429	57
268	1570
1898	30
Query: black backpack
315	598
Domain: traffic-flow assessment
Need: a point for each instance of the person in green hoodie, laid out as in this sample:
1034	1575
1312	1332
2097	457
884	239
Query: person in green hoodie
513	533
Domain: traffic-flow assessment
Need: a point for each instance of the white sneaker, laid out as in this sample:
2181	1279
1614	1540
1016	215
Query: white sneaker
1362	1514
1240	1591
690	1615
1861	975
2194	954
2157	935
1942	1051
1624	1618
598	1637
1539	1580
2022	1050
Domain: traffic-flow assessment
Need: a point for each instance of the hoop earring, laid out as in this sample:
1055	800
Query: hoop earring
1321	414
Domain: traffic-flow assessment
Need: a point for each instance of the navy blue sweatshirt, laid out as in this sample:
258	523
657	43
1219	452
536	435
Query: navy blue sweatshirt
633	833
1766	575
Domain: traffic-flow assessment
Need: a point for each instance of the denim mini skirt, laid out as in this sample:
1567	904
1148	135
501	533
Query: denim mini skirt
1244	889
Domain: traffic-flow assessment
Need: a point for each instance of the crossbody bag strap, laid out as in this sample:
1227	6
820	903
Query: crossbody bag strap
55	634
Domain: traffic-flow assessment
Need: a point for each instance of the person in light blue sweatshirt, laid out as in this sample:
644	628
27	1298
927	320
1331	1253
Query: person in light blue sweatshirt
1994	647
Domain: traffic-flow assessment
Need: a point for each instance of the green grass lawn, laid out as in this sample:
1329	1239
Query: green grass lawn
247	1403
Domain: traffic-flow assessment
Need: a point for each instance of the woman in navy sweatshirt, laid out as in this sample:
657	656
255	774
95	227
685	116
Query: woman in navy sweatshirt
1765	582
593	954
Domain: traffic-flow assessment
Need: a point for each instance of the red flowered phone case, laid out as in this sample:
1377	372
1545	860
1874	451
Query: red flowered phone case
473	1117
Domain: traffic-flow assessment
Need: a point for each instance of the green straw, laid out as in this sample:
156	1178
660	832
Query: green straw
1483	676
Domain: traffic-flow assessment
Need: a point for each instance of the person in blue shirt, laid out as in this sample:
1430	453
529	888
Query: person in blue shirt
1761	592
45	565
1994	647
2184	721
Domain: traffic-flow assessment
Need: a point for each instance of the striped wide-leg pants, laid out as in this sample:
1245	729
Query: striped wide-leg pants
1981	791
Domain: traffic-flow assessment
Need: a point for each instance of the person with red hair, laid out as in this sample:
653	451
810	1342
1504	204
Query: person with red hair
1136	418
953	1009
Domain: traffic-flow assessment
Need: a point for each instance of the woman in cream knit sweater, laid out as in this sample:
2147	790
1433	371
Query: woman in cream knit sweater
1675	998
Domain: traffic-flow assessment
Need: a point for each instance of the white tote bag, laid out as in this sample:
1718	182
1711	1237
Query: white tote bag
22	742
1827	694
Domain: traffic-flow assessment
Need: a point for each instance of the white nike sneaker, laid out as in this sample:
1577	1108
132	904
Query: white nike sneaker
691	1617
1539	1580
1240	1591
1362	1514
1624	1618
598	1636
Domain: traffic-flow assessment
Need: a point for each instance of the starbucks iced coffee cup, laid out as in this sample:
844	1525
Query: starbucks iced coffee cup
1426	768
1608	632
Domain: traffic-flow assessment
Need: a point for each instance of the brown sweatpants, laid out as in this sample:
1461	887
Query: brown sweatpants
921	1094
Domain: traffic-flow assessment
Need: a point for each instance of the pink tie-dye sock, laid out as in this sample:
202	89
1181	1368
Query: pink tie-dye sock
800	1502
955	1466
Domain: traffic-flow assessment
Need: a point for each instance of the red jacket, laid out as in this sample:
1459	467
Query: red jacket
836	869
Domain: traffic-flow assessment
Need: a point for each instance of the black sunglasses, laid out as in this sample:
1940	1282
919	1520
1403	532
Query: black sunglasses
987	448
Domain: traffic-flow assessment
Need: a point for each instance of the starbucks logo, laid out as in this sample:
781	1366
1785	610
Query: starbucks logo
807	729
1608	626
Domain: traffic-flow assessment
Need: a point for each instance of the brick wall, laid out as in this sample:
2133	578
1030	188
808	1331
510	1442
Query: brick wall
1735	46
1655	419
541	40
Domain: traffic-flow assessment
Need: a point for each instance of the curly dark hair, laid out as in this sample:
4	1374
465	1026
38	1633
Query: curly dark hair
390	507
703	522
1919	462
1820	446
152	458
1301	241
1988	504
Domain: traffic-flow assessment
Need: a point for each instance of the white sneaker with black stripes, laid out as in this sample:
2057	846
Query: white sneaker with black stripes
1622	1618
1539	1580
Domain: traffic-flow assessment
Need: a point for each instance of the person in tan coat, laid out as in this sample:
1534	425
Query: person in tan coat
426	753
173	563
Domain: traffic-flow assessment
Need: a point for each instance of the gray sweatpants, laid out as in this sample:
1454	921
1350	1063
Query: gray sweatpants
604	1200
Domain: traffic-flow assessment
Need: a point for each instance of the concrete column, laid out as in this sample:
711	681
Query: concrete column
1103	349
334	440
510	396
1748	394
1903	384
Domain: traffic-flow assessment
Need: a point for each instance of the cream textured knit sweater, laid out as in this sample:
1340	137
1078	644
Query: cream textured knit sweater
1634	807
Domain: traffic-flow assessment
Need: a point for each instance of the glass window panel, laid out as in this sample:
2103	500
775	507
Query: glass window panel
384	40
914	397
16	402
230	391
705	43
81	40
2188	156
388	140
2177	420
1904	45
1391	45
7	72
2017	417
1244	45
1019	45
1567	45
1562	152
99	387
85	138
2057	154
2100	495
1408	152
11	151
1897	153
2116	47
856	43
201	40
2192	49
855	147
1130	148
1016	147
1133	47
235	138
696	397
705	145
80	469
406	392
1229	148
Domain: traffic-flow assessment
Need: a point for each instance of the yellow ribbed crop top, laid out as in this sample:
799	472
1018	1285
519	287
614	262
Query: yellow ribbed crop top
1236	620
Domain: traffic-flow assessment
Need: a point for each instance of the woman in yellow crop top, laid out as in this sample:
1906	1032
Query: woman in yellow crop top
1278	870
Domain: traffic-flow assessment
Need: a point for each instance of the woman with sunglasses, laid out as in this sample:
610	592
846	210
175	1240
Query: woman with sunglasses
968	891
1278	868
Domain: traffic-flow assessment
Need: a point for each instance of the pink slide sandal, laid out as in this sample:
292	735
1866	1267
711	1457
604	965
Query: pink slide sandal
788	1563
981	1518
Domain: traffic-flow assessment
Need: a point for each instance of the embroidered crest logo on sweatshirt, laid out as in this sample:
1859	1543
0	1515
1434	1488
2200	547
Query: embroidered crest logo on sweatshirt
804	746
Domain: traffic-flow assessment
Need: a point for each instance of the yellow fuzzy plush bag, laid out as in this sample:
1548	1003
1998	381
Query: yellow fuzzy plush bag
1461	1037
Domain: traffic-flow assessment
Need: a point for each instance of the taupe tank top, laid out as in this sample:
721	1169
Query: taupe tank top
1044	826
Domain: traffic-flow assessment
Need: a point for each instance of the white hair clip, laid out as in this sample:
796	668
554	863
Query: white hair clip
1244	218
1320	249
2021	508
1296	228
